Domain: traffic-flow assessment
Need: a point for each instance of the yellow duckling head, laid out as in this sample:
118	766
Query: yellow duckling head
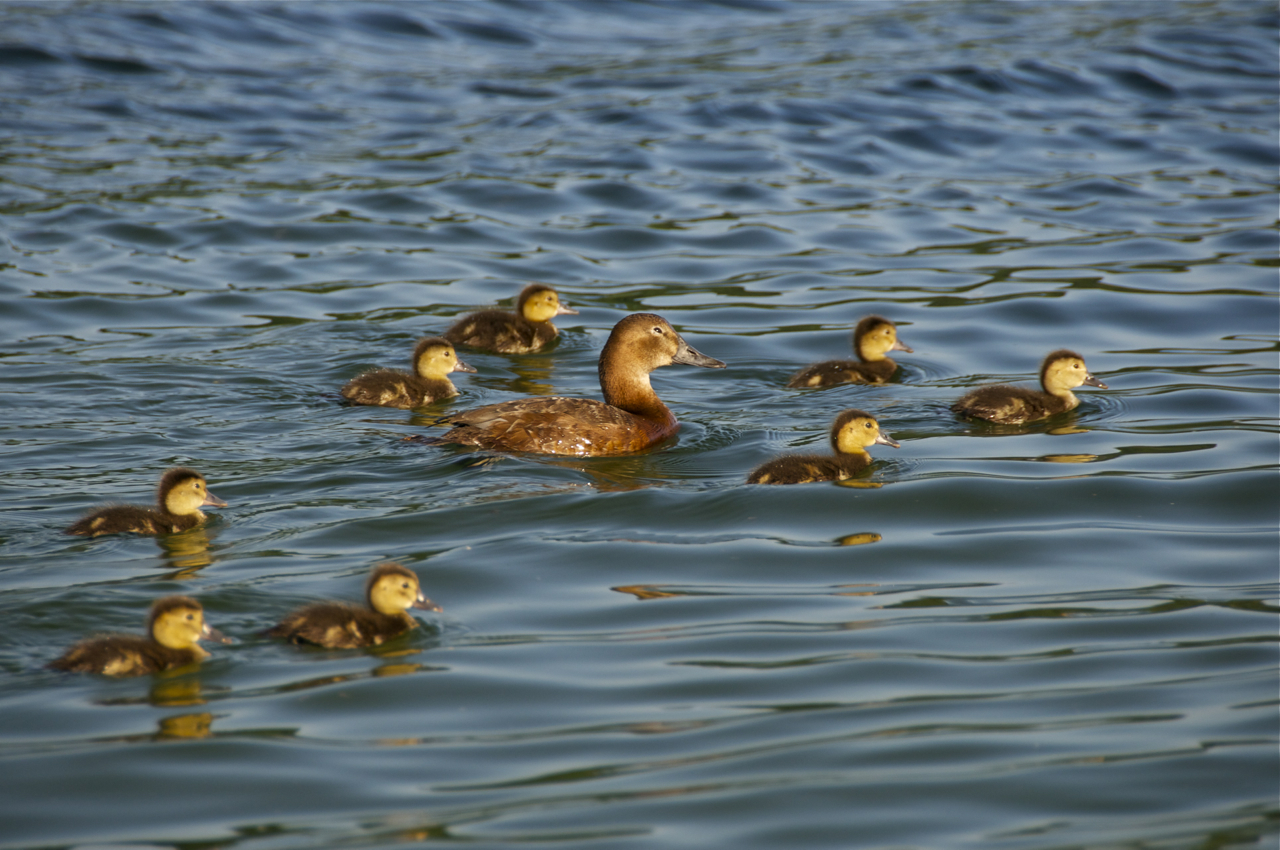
435	357
392	589
1063	371
540	303
184	492
178	623
854	430
875	337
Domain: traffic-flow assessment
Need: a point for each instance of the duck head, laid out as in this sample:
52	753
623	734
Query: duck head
183	492
540	303
1063	371
875	337
392	589
178	623
854	430
435	357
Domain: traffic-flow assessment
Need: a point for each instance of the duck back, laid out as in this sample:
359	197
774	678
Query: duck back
807	469
116	519
337	625
124	655
393	388
1010	405
832	372
561	426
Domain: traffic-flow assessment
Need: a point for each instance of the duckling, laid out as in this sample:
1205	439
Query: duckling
630	419
873	338
174	628
433	358
526	330
181	495
1061	372
852	432
390	591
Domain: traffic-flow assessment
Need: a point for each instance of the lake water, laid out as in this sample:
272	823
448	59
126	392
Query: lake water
1056	636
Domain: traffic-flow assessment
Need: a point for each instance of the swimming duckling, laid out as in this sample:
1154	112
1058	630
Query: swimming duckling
873	338
630	419
1061	372
391	591
174	628
181	495
433	358
852	432
528	329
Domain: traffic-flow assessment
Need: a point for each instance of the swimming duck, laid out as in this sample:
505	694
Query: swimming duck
433	358
852	432
180	496
175	627
390	592
873	338
630	419
528	329
1061	372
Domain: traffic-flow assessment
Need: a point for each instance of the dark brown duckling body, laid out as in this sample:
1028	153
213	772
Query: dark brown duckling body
390	591
851	433
526	330
433	358
174	628
630	419
873	337
1060	373
181	494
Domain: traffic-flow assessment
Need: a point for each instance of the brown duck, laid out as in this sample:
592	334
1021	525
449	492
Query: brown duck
852	432
526	330
175	627
180	496
630	419
873	338
433	359
390	592
1060	373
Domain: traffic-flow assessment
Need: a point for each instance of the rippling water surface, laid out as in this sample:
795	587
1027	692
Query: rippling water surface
1060	635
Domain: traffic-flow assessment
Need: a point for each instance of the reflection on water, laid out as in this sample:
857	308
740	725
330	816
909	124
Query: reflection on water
187	552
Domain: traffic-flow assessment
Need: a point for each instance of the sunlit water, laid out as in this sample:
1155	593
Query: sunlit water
1061	635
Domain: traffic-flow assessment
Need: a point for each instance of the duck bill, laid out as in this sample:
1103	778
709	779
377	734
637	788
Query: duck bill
212	501
459	366
690	356
426	604
210	633
899	345
562	310
885	440
1094	382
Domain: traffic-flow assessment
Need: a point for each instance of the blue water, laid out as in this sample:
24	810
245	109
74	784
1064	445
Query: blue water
1062	635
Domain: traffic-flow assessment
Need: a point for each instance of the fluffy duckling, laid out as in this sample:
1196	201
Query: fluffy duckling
433	358
181	495
390	592
873	339
528	329
175	627
1061	372
630	419
852	432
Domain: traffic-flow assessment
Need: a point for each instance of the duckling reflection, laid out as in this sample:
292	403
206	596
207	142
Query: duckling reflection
187	552
390	592
873	338
526	330
180	496
851	433
433	359
175	627
630	419
196	725
1060	373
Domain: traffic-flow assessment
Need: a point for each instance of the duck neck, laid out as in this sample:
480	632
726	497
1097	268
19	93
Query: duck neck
630	391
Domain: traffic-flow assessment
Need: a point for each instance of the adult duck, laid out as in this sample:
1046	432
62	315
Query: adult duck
630	419
1060	373
873	338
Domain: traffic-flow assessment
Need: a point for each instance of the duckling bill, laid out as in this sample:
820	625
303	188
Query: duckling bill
630	419
851	433
873	338
175	627
433	359
1060	373
180	496
389	593
527	330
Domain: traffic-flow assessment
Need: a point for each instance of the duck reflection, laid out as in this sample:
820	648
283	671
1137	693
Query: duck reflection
187	552
196	725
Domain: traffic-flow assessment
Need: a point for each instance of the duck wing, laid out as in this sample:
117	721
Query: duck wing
556	425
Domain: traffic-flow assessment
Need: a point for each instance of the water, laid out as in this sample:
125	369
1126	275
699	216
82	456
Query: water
1058	636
